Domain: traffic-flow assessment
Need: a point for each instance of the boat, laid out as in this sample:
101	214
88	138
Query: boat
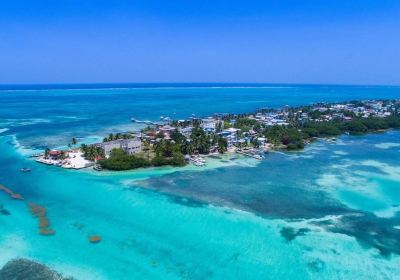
198	163
97	167
25	169
145	122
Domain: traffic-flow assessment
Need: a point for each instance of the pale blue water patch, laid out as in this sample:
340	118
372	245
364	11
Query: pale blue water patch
362	202
366	177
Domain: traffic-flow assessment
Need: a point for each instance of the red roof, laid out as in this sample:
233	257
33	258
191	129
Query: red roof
54	153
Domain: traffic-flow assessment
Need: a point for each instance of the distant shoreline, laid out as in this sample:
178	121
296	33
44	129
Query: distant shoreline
180	142
121	86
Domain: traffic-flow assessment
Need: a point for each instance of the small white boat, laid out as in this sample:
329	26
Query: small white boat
97	167
198	163
25	169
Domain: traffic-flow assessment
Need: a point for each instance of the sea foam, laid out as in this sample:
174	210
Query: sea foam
387	145
2	130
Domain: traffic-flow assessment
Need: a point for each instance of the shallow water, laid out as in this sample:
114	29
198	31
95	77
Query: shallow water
328	212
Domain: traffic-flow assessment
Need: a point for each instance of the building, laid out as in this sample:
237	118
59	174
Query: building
209	124
130	146
186	131
231	135
167	129
55	154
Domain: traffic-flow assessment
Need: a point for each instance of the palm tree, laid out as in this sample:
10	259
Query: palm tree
146	147
46	152
74	141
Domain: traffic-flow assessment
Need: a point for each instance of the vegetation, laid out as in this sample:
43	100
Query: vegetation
46	153
282	135
91	152
245	124
119	160
170	148
222	145
74	141
200	141
293	136
117	136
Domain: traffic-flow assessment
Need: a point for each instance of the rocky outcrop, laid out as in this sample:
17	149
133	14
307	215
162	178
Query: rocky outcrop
23	269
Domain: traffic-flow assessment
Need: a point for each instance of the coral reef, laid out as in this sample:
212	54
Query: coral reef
11	193
20	269
44	223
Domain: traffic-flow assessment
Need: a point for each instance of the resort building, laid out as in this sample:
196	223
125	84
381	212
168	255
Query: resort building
55	154
231	135
186	131
167	129
209	124
130	146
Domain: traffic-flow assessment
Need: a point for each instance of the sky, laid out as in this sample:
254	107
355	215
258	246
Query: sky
269	41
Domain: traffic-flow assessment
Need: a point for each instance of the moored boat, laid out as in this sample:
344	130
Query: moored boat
25	169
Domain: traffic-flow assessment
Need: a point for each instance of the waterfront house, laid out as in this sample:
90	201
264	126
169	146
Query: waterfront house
55	154
231	135
130	146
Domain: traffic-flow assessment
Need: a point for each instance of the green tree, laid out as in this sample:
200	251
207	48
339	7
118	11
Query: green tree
222	145
356	127
46	153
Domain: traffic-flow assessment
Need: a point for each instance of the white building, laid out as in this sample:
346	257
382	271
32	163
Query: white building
209	124
130	146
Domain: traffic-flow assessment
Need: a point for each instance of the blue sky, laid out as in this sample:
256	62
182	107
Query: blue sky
280	41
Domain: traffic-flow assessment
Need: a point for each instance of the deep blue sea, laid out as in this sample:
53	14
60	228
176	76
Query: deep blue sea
331	211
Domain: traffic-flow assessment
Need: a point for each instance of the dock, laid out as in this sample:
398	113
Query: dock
258	157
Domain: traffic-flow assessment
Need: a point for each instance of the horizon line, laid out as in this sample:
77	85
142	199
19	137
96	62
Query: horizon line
149	85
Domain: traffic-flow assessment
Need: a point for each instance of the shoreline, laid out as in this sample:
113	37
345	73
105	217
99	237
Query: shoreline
189	141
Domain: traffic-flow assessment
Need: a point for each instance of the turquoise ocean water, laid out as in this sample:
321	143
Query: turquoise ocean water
331	211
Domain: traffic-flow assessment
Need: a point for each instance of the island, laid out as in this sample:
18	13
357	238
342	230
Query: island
179	142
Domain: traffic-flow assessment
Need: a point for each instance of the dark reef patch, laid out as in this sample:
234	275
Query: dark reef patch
251	189
290	233
369	230
23	269
4	211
